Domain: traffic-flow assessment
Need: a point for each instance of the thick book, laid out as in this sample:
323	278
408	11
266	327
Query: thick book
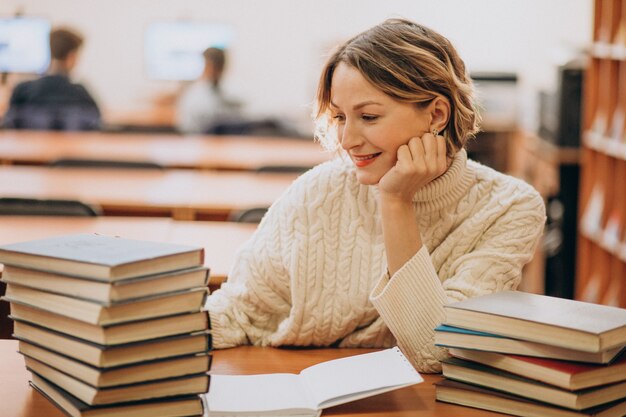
448	336
115	334
109	356
539	318
568	375
107	292
317	387
184	406
485	376
100	257
185	301
455	392
120	375
185	385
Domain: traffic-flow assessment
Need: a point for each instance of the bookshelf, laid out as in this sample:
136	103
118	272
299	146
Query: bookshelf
601	258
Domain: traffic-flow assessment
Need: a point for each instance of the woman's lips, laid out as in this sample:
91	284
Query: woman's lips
364	160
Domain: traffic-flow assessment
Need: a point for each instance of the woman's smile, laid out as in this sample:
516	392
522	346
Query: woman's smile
364	160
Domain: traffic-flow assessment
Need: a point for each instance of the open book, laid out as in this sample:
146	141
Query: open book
317	387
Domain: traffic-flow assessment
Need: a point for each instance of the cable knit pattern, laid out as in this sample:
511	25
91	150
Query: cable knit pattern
315	272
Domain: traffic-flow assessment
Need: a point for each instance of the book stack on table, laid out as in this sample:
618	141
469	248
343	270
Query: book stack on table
111	326
533	355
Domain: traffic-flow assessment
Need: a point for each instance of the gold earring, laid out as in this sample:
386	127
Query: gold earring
435	131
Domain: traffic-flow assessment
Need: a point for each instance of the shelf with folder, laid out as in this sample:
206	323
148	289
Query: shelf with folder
601	257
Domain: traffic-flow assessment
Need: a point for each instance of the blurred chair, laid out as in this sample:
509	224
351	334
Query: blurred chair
49	117
103	163
37	207
287	169
251	215
261	127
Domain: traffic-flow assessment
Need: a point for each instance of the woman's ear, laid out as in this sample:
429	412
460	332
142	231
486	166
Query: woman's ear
439	110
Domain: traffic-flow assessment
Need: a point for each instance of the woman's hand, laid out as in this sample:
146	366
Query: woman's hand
419	162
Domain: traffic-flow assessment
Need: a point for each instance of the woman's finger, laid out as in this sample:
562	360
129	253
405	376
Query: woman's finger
430	152
442	155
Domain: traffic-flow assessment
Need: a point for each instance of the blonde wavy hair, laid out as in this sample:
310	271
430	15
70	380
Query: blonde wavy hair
410	63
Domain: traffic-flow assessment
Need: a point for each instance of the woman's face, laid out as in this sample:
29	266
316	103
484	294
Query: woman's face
371	125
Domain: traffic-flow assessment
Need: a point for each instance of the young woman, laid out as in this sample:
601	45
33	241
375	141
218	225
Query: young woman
365	250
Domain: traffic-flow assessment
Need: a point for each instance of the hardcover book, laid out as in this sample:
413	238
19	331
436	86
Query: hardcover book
568	375
455	392
116	334
189	384
120	375
554	321
448	336
100	257
184	406
107	292
109	356
477	374
185	301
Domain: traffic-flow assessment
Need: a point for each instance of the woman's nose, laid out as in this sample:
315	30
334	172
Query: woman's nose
348	136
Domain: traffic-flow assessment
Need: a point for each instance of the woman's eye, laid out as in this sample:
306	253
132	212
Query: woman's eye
369	117
339	117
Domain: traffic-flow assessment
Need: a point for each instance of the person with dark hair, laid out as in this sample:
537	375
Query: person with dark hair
203	104
54	101
365	250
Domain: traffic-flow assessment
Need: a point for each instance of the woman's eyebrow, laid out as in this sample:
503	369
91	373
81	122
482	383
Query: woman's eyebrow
359	105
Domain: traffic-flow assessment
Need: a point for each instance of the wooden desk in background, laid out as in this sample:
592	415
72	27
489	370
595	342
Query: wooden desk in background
18	399
181	194
170	151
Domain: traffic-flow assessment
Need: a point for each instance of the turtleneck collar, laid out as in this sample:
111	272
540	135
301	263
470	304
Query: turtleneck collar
446	189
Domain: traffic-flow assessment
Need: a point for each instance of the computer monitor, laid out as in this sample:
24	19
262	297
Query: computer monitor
173	50
24	44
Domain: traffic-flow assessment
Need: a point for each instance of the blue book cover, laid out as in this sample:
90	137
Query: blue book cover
451	329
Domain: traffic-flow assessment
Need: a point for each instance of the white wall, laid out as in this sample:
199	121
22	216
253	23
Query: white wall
280	44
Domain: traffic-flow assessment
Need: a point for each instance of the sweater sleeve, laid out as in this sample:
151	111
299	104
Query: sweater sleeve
412	301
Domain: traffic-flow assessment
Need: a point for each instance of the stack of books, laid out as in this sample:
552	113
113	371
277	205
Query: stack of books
533	355
111	326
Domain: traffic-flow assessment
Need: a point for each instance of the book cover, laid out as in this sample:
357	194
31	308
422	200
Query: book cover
565	374
448	336
184	301
474	373
101	257
107	292
469	395
120	375
183	385
109	356
183	406
116	334
539	318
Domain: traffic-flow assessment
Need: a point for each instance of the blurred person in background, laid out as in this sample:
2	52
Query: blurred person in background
54	101
202	106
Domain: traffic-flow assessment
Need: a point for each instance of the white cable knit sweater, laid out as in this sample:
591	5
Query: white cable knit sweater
314	273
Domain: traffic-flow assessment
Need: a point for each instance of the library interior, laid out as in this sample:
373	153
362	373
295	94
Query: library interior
153	150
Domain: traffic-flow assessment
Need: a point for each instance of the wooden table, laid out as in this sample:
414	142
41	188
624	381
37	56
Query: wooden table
19	400
170	151
181	194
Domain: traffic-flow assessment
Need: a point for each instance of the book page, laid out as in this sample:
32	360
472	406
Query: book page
266	394
348	379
